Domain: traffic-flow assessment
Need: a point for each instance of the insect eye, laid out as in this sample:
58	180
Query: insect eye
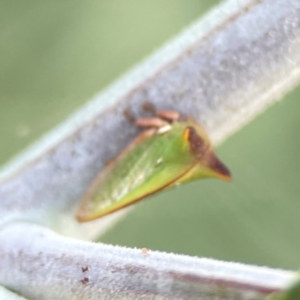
196	143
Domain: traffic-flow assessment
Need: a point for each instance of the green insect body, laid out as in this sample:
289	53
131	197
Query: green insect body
157	160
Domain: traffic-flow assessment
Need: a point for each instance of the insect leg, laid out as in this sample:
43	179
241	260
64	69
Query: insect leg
169	115
151	122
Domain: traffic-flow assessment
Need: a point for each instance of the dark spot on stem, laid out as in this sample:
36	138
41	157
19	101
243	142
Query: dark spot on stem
85	280
84	269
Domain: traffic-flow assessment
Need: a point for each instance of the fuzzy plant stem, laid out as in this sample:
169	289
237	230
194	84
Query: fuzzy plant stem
44	265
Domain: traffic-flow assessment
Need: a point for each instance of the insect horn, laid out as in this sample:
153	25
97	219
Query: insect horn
218	169
205	155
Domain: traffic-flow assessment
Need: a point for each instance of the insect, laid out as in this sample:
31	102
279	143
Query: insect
168	153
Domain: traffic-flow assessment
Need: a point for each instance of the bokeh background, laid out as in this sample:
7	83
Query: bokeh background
56	55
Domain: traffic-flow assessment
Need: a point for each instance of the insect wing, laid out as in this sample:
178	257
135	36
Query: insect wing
151	164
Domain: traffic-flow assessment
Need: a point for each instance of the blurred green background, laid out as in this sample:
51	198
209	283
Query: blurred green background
55	55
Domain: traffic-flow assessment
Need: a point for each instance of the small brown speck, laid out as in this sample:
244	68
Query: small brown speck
128	115
85	280
84	269
144	250
149	107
